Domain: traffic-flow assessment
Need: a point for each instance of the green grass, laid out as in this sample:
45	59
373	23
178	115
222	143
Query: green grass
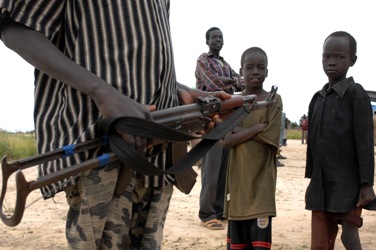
294	134
17	145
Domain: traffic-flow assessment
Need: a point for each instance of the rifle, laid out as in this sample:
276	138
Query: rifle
187	119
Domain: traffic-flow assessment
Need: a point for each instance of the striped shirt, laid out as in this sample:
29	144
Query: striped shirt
208	71
127	43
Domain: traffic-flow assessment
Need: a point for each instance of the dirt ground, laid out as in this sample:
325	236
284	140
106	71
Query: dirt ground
42	225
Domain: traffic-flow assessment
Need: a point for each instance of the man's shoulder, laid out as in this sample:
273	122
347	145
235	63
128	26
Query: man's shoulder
204	55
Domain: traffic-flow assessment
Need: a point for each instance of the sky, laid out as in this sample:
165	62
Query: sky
291	32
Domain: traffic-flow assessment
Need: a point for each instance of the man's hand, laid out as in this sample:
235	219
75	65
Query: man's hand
188	96
227	80
112	104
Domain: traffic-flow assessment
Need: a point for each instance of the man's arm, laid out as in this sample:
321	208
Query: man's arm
43	55
238	81
210	80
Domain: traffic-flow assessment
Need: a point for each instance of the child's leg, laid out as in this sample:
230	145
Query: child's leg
324	230
350	236
238	235
262	233
350	229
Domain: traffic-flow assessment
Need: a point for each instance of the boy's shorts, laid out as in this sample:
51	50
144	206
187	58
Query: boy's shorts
250	234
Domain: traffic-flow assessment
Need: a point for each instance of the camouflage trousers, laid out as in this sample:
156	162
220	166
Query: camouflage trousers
99	220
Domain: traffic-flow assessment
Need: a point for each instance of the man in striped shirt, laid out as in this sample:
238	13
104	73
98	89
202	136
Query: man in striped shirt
93	60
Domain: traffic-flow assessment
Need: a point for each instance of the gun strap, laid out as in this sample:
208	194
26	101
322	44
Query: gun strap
130	157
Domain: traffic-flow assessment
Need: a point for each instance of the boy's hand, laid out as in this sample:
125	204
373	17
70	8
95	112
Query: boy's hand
216	120
366	196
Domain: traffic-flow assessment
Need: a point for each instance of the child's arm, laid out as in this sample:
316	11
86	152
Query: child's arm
241	135
366	195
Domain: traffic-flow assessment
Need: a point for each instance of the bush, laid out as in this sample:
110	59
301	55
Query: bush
294	125
4	143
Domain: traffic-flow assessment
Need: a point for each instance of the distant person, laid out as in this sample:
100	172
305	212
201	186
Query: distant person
214	73
286	124
283	120
340	150
374	127
281	136
304	127
252	173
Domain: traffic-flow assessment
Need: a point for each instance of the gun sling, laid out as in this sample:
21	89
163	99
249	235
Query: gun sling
134	161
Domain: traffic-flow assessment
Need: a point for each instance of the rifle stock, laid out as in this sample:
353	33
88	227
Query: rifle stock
188	119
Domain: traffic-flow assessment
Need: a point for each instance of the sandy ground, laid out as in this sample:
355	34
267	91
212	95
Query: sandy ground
42	225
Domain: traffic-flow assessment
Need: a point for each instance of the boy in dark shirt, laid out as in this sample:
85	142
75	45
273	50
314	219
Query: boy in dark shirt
340	150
